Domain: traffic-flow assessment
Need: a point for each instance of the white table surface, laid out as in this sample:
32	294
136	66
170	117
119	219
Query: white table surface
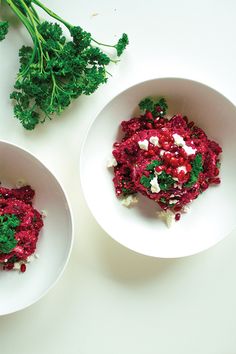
111	300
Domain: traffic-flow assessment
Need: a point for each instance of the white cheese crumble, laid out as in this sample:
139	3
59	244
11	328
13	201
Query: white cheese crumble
44	213
167	216
155	188
154	140
173	201
181	168
112	162
143	144
17	265
30	258
186	209
129	201
180	142
21	182
162	152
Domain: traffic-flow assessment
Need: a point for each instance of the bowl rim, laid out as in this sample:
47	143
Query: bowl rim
70	213
104	107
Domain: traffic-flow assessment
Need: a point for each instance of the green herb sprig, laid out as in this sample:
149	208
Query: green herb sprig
55	71
3	29
164	179
8	225
157	108
197	167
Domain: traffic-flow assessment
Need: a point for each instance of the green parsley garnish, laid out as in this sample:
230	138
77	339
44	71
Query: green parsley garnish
148	104
54	71
165	181
8	225
126	191
197	167
3	29
153	164
145	181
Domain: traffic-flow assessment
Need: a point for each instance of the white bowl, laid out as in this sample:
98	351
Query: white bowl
213	214
19	290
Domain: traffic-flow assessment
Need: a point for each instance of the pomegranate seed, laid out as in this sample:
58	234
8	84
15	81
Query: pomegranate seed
160	168
175	173
177	207
167	157
149	115
181	161
23	268
217	171
181	175
214	180
165	131
151	152
182	153
204	185
169	170
177	216
149	125
188	167
166	146
174	162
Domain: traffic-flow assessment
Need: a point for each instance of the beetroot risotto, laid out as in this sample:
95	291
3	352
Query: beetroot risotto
20	225
170	161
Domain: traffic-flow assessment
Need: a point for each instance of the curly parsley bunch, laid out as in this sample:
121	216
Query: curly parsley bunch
54	71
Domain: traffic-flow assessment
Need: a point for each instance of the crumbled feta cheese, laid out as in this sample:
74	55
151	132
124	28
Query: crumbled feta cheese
178	139
167	216
155	188
129	201
30	258
173	201
44	213
17	265
186	209
154	140
112	162
162	152
21	182
181	168
180	142
143	144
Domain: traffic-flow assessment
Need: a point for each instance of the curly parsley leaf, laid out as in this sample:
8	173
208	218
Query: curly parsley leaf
165	181
153	164
8	224
157	108
3	29
146	181
122	44
197	167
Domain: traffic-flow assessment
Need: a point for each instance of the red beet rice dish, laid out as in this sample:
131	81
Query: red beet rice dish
170	161
20	225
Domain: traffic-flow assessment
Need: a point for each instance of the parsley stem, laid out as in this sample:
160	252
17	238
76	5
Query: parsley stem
22	17
103	44
35	30
52	14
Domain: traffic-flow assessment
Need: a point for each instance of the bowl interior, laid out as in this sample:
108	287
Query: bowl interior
212	215
19	290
